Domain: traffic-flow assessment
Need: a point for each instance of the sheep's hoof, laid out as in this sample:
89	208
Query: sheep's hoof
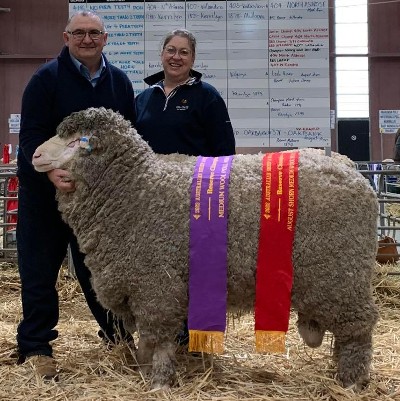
145	370
360	385
159	387
356	387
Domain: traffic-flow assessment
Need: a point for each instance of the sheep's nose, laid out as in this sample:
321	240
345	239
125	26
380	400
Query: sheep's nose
37	154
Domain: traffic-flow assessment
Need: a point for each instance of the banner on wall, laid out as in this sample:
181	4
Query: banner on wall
389	121
14	123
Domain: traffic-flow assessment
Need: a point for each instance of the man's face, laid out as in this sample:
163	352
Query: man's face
85	38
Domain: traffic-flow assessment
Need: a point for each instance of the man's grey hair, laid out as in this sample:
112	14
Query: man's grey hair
86	13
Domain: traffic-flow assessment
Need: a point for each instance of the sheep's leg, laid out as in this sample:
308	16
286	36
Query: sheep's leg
123	312
353	356
164	365
120	306
310	331
129	322
145	351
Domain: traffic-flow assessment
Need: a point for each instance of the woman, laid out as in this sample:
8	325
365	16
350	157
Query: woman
179	113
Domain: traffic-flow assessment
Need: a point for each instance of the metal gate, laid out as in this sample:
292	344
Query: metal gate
385	178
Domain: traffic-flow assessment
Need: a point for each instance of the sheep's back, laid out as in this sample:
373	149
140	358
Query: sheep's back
335	235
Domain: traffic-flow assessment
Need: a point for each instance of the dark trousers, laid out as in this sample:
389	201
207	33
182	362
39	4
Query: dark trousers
42	241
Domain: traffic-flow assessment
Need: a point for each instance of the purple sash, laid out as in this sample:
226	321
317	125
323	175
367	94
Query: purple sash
208	254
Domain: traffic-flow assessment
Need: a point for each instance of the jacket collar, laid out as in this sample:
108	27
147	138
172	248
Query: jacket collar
65	56
159	76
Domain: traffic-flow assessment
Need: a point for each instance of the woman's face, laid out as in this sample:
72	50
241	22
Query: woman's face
177	59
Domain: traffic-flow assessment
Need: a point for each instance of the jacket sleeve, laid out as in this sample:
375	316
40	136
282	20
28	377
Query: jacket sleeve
129	113
37	120
219	127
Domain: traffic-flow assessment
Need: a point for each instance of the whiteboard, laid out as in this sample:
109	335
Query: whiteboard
268	59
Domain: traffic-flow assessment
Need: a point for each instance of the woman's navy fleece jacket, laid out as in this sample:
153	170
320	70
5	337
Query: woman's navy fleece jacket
193	120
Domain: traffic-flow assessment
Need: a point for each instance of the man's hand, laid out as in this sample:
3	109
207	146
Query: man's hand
62	180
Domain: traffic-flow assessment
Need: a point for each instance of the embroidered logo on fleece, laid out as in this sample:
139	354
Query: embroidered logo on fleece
184	105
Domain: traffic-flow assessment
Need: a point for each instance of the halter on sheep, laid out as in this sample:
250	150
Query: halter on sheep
130	213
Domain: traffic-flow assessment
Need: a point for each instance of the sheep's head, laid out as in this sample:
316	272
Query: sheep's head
78	132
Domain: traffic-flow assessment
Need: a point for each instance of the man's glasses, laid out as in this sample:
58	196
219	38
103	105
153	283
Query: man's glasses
171	51
80	34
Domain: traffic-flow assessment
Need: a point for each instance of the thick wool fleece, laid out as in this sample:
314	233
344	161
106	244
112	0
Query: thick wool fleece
130	213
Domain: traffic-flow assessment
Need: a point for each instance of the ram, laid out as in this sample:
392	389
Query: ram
131	212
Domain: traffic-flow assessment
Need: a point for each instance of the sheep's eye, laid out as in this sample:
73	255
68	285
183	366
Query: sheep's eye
73	143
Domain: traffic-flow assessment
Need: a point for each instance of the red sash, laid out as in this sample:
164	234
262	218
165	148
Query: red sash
274	264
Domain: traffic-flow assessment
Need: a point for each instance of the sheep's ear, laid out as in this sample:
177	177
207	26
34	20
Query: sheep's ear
95	142
89	143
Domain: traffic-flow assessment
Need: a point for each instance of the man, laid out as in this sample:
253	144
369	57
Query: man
79	78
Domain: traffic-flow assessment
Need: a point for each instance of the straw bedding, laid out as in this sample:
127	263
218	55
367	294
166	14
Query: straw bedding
90	372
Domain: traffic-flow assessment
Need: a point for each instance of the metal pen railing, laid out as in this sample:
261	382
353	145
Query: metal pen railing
385	177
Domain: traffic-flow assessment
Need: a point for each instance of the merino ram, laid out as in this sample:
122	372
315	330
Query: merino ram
130	212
